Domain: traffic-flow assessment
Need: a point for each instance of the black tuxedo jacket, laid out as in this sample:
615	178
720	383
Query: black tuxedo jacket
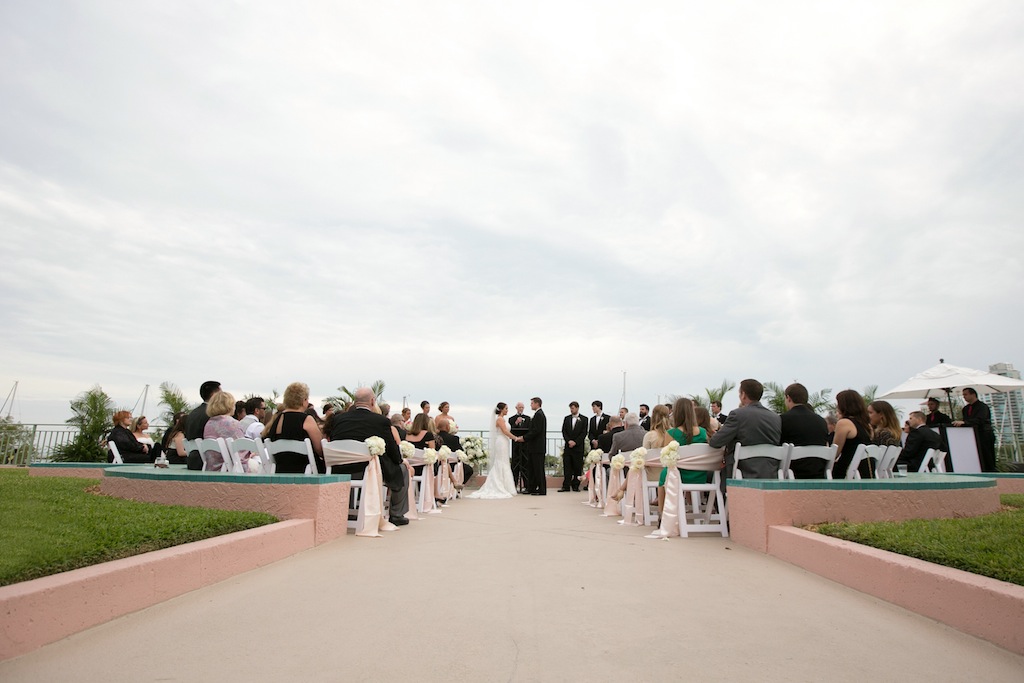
578	434
801	426
359	425
450	440
645	423
604	441
536	439
597	426
918	442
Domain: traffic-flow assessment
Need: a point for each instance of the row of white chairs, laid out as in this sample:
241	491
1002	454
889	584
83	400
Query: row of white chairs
786	454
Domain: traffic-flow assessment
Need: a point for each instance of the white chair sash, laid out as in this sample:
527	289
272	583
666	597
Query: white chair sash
633	501
426	502
670	513
612	507
594	495
373	479
411	492
698	457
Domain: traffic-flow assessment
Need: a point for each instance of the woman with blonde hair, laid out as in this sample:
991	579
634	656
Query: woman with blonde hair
222	425
885	426
292	422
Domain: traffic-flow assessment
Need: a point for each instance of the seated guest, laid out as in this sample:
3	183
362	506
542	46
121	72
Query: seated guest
419	435
360	424
852	430
293	423
830	423
685	432
139	426
174	441
399	424
255	410
705	420
919	439
196	421
239	411
222	425
446	438
127	445
751	425
655	439
885	426
801	426
604	441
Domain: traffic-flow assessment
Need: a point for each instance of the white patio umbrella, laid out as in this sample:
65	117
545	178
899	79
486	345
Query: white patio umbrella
944	379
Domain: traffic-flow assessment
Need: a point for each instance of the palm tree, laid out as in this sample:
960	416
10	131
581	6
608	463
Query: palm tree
774	397
348	396
821	401
171	396
713	394
93	415
869	393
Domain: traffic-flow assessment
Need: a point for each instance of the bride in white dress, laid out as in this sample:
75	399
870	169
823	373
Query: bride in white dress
500	483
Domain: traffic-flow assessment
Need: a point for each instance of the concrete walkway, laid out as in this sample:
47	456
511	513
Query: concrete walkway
528	589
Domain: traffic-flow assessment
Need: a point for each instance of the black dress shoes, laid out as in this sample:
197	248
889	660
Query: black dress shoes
399	521
563	490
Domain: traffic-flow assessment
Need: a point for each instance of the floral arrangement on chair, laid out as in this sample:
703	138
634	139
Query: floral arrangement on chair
475	450
618	462
670	454
376	445
593	458
407	449
443	453
429	456
463	457
638	458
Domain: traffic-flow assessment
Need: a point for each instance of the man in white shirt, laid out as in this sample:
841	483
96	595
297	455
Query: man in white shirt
252	423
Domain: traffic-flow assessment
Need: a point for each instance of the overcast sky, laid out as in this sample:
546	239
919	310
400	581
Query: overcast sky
479	202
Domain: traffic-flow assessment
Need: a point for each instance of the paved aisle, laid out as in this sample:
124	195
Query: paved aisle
529	589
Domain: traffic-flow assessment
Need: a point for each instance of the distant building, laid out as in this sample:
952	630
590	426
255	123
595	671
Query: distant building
1007	411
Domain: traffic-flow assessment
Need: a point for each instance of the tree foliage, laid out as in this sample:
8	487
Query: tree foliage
171	396
92	412
348	396
712	394
15	442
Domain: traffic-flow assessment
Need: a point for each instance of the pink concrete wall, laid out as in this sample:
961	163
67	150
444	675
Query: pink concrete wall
45	610
325	504
980	606
1009	485
753	511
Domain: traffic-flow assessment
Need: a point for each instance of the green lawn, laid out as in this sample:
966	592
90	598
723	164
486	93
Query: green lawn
53	524
992	545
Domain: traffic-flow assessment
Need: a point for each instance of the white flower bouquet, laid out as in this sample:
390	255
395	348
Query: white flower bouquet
461	455
429	456
407	449
475	449
670	454
443	453
638	458
594	458
376	445
618	461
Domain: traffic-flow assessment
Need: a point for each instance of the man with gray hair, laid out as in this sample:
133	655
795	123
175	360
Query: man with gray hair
630	438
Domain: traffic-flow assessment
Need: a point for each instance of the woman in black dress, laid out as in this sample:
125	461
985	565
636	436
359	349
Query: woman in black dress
292	422
852	430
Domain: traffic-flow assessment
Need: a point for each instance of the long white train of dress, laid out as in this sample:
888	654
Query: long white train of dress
500	483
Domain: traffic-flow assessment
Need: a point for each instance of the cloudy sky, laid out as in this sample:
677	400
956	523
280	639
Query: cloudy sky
479	201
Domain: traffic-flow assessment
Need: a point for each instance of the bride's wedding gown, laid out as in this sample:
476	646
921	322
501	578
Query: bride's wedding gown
500	483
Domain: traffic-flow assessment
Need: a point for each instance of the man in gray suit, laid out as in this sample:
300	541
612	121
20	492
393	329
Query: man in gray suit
630	438
750	424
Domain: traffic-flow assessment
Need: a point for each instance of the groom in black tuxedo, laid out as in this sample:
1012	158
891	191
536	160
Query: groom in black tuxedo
536	441
574	431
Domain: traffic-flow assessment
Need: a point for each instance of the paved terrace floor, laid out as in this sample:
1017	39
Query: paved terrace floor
528	589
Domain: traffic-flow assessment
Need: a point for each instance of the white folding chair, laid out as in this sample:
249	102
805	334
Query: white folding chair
700	514
118	460
858	455
826	453
933	456
358	486
255	448
888	462
291	446
220	446
779	453
650	489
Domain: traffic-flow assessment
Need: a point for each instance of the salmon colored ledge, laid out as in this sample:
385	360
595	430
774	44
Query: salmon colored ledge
986	608
42	611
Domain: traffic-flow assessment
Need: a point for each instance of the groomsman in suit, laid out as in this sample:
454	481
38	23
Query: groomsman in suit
519	425
919	439
716	412
936	417
645	417
598	423
536	439
574	431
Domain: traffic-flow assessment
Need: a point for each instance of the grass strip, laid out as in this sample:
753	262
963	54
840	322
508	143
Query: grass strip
54	524
990	545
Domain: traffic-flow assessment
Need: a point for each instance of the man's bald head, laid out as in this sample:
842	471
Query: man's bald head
364	396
